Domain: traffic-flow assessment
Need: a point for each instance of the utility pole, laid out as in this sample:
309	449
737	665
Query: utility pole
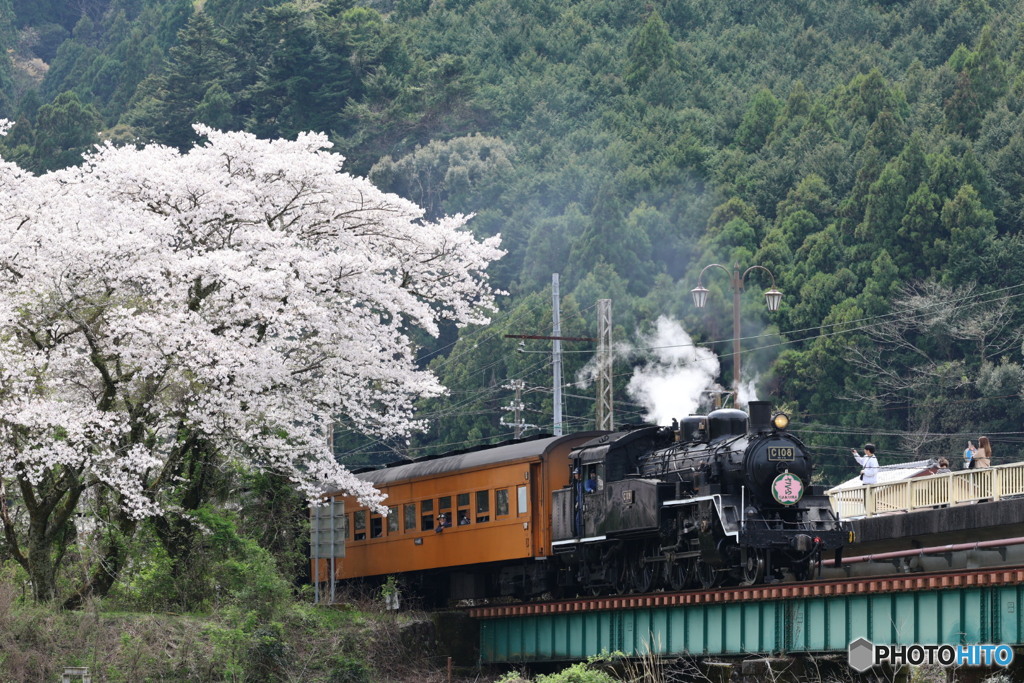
516	407
605	409
556	351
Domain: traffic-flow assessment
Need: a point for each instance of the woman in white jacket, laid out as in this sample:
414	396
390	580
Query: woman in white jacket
869	463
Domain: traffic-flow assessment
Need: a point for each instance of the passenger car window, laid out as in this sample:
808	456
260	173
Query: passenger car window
393	520
426	515
465	515
360	525
376	527
521	500
501	502
410	517
483	506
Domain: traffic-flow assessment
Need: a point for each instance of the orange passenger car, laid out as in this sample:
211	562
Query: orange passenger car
466	525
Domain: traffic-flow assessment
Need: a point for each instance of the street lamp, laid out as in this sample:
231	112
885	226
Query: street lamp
772	297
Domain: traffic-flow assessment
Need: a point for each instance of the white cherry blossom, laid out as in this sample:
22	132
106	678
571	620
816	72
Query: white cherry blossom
247	291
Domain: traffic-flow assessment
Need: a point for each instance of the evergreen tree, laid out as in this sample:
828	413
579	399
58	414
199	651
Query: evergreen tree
758	121
284	74
64	130
650	46
971	237
169	103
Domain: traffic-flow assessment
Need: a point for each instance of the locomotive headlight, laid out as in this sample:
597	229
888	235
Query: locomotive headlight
780	420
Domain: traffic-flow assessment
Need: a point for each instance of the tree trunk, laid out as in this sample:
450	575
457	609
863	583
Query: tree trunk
41	568
50	505
108	569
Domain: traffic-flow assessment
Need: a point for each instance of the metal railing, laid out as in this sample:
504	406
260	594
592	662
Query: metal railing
930	491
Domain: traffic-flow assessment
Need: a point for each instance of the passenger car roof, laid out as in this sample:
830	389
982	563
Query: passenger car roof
480	457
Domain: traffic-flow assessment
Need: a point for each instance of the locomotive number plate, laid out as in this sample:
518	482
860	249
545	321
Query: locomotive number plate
777	453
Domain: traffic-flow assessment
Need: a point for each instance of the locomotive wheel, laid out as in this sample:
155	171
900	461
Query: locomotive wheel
706	575
644	575
591	583
679	573
753	568
596	584
807	570
621	580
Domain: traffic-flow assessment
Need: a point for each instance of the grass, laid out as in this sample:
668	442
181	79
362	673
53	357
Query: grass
344	644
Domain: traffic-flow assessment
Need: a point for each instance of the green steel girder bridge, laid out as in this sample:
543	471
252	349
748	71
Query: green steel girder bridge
960	607
931	592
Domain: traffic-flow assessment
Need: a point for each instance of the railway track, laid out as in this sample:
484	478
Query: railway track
997	576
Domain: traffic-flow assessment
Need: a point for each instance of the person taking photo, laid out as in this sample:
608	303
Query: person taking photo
868	463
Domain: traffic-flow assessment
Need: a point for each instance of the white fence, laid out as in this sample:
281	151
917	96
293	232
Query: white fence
930	491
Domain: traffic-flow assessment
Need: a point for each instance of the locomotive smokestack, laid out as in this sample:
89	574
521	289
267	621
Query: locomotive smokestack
760	416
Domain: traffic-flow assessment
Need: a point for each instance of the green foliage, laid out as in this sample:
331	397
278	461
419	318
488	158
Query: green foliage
345	669
650	47
448	177
63	131
590	671
308	643
195	78
854	148
225	569
389	589
758	121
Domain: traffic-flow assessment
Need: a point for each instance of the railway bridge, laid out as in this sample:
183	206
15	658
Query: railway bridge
949	572
962	607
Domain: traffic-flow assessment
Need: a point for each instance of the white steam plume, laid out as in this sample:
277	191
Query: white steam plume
676	376
747	392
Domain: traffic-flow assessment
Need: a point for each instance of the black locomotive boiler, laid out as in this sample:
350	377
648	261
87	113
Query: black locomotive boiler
725	498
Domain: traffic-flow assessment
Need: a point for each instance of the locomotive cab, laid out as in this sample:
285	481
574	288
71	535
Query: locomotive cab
607	496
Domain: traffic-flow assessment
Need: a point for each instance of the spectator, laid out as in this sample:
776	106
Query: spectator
463	519
869	463
969	455
983	456
442	523
943	466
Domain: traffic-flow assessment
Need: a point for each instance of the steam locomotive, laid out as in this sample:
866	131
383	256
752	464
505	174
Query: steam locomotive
715	499
721	498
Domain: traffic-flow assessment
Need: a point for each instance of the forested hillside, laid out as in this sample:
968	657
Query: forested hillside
871	155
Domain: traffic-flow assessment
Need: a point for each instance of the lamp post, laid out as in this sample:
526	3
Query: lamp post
772	297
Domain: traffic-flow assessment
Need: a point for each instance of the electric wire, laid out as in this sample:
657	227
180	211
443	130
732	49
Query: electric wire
973	299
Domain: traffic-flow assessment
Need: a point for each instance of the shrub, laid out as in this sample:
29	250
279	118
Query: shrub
348	670
225	569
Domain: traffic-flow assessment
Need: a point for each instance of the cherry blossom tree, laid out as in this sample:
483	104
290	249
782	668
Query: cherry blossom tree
157	306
